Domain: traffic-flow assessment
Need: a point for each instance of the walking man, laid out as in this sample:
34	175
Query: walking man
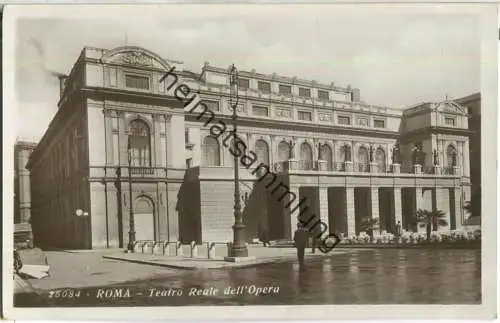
300	239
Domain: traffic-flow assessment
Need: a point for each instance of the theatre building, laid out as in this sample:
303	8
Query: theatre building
348	158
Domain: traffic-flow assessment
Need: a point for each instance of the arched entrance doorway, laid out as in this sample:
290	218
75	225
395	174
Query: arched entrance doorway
144	219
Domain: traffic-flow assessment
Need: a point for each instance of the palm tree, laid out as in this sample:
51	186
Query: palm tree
368	224
430	219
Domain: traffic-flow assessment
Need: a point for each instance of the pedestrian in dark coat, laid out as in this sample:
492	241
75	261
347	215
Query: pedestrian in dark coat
300	238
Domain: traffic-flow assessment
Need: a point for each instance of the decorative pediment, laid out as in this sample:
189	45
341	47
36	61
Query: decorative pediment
450	107
136	56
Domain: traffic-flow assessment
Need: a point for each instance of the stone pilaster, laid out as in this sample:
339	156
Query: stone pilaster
466	159
443	204
418	198
398	212
351	221
323	205
375	204
348	166
458	207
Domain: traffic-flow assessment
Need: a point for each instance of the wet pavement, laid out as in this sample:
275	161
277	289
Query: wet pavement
363	277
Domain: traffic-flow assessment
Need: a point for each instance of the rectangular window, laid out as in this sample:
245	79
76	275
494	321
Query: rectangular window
285	89
243	84
186	136
137	82
323	95
303	92
379	123
344	120
449	121
260	111
264	87
363	122
304	115
189	162
211	105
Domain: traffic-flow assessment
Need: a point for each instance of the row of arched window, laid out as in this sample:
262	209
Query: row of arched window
140	149
212	153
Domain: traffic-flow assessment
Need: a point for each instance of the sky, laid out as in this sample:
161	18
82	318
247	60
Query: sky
396	56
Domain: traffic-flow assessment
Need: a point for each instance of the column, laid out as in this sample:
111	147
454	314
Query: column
375	206
351	220
323	205
398	213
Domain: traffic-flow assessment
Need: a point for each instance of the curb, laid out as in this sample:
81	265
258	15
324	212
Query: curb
172	266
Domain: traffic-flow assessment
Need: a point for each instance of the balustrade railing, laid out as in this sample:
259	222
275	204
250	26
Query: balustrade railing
362	167
142	171
306	165
448	170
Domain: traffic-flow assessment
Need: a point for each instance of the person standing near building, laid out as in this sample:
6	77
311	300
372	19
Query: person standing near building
398	231
300	238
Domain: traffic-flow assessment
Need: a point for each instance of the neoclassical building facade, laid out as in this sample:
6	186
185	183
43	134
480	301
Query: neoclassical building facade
350	159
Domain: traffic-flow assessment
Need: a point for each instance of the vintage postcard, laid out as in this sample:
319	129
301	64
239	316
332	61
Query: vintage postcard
259	161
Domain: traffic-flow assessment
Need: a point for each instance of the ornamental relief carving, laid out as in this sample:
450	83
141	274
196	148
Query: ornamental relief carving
138	58
283	112
324	116
240	109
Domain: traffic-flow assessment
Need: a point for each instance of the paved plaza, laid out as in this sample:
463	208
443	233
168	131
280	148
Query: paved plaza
370	276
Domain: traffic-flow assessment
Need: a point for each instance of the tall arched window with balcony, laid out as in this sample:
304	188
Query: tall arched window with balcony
363	159
262	151
139	137
380	160
326	154
283	151
211	151
306	157
451	156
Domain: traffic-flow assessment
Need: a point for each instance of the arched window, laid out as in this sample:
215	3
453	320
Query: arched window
262	151
211	151
283	151
306	157
363	159
380	159
326	154
451	156
140	143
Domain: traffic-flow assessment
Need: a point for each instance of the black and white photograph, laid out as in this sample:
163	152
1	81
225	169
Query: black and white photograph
209	157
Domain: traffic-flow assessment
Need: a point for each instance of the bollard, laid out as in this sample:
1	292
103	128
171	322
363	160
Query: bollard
137	247
178	248
165	247
157	247
194	249
211	250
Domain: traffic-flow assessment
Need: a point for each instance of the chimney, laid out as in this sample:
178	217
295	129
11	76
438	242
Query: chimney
62	80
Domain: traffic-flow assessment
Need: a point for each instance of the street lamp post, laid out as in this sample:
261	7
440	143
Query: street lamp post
131	231
239	248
